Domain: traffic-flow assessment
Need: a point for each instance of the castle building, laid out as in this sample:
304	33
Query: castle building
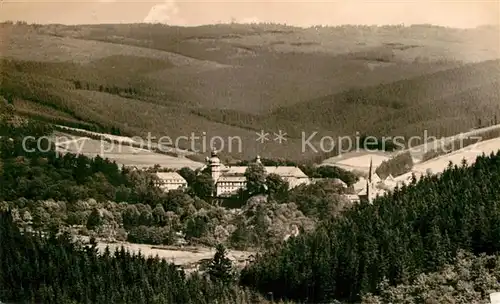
229	180
168	181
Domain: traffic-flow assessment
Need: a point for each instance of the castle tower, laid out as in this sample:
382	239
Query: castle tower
215	166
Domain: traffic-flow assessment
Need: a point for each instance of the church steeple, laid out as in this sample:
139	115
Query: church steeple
370	173
369	183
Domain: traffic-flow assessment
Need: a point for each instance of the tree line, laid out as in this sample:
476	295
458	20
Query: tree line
125	92
398	165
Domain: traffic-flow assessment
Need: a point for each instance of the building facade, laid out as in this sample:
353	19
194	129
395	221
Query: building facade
168	181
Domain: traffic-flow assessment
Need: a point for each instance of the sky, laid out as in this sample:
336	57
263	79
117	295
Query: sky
463	14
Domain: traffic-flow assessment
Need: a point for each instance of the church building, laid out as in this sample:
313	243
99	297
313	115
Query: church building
230	179
368	189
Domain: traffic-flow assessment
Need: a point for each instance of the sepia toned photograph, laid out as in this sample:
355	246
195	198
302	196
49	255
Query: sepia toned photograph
249	152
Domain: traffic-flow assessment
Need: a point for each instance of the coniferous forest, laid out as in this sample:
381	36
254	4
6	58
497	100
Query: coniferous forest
53	269
364	252
416	229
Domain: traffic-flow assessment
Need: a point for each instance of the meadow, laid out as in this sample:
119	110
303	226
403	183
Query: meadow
122	154
467	154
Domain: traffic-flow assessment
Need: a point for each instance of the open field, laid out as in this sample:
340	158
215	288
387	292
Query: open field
120	153
183	257
121	139
20	44
419	151
470	153
150	144
358	160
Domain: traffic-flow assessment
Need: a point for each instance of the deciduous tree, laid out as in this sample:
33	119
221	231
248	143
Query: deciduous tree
94	220
203	186
256	179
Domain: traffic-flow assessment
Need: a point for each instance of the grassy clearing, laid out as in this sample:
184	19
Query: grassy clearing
458	144
469	154
122	154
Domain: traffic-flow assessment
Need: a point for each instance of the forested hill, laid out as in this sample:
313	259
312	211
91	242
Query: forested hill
55	270
417	229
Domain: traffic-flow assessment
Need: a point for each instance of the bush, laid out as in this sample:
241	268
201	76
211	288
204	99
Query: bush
151	235
398	165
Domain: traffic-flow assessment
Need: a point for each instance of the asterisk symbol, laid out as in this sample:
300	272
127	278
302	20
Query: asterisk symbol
280	136
262	136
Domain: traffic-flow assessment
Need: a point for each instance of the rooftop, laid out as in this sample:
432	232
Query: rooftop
169	175
232	178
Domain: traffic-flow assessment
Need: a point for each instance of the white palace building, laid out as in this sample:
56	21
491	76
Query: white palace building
168	181
230	179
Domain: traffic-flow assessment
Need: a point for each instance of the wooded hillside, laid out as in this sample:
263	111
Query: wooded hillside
416	229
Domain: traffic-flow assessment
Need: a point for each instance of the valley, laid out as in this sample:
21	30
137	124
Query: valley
235	163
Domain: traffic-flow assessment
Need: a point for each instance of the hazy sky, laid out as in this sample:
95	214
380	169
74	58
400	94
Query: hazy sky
303	13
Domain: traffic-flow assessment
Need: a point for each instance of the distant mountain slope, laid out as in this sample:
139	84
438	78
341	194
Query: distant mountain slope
262	88
428	103
278	65
250	68
237	43
444	102
235	80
